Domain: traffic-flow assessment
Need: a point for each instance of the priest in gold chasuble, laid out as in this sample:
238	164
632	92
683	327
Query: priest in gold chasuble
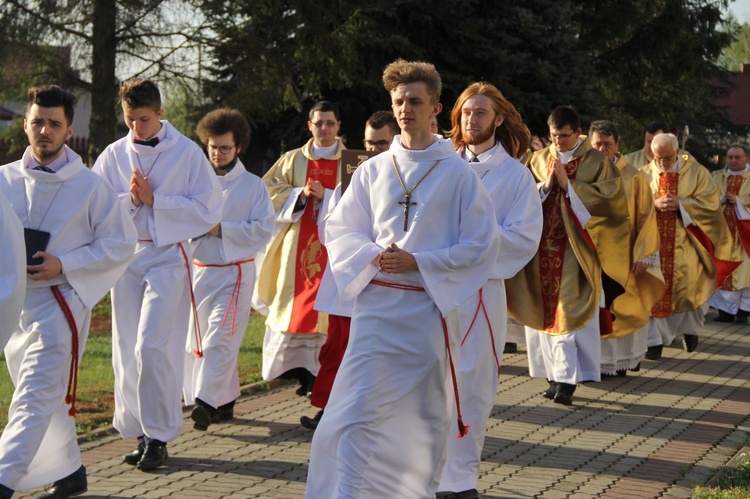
559	294
732	299
625	347
295	258
696	252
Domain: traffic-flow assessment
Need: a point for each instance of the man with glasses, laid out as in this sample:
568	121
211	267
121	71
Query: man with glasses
224	272
585	224
379	131
732	299
696	252
295	259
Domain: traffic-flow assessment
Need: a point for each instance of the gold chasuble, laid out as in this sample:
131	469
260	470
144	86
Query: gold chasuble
558	291
637	159
738	185
632	309
692	258
295	259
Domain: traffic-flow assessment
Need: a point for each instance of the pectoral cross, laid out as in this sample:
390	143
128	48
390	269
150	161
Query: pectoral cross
406	203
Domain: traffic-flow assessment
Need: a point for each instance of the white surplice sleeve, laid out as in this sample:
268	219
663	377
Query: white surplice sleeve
350	240
93	268
243	239
12	271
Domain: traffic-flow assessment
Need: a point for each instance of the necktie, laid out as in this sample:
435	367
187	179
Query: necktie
43	168
150	142
474	160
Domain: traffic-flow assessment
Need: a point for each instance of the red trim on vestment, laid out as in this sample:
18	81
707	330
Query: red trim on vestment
666	224
463	428
481	306
723	267
198	352
70	394
235	297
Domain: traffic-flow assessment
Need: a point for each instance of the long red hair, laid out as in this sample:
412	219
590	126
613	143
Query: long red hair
512	133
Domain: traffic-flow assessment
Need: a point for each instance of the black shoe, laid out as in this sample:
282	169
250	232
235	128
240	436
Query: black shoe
301	391
135	456
564	394
622	373
690	342
224	412
201	417
724	317
550	393
740	319
311	423
654	352
468	494
72	485
608	375
510	348
5	492
154	456
636	368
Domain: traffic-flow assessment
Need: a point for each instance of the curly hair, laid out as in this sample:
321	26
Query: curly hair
221	121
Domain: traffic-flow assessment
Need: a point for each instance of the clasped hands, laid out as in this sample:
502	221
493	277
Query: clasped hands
668	202
557	176
394	260
314	189
49	268
140	189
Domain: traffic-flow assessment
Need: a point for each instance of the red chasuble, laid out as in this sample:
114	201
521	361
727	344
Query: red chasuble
311	258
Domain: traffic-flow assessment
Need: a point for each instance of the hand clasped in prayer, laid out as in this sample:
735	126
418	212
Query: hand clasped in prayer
394	260
140	189
667	202
314	189
557	176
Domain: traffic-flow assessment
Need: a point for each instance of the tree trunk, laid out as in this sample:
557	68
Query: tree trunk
103	83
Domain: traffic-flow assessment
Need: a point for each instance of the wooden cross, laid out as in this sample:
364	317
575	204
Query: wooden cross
406	203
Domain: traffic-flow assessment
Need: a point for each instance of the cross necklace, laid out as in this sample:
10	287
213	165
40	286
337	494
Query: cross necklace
406	203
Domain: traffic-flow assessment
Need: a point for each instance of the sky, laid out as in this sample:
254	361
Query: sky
741	10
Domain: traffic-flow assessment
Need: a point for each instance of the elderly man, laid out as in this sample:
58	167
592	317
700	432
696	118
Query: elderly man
696	247
732	299
625	347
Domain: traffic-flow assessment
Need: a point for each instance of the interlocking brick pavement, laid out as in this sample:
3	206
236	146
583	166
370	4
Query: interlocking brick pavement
654	433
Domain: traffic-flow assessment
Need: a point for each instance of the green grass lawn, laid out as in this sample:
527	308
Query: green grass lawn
735	484
96	378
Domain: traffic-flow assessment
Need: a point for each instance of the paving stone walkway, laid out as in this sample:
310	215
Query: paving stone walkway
654	433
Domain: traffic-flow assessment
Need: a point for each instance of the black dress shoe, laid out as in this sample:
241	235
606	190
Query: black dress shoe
468	494
72	485
201	417
510	347
135	456
5	492
550	392
154	456
724	317
740	319
311	423
224	412
564	394
654	352
690	342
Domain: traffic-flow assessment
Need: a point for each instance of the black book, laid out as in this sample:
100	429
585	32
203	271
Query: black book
36	240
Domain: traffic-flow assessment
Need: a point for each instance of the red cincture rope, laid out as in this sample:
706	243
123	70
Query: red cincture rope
463	428
481	306
198	352
235	298
70	394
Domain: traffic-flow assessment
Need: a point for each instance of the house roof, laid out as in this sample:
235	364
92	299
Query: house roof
736	104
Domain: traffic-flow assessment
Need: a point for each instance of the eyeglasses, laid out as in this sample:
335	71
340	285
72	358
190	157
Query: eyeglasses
380	144
666	160
324	124
222	149
554	136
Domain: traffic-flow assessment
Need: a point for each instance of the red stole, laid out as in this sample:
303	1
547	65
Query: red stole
552	247
666	223
734	182
311	258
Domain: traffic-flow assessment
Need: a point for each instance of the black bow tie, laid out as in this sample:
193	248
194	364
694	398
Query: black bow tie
43	168
150	142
